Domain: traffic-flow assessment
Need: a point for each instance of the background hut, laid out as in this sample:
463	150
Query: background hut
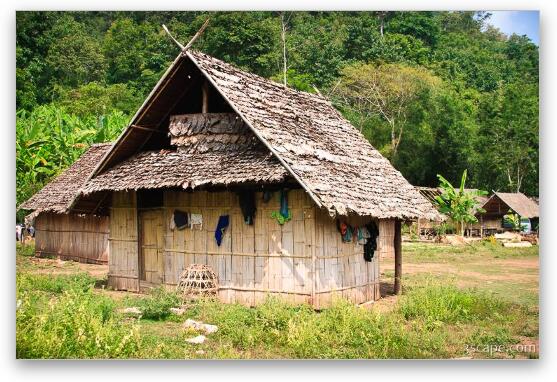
70	236
212	141
426	226
501	204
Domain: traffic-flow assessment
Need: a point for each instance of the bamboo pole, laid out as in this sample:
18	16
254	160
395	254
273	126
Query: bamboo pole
398	257
205	97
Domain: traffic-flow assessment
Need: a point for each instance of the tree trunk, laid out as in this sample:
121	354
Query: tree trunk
283	38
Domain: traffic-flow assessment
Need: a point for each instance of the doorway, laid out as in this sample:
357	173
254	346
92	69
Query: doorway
151	261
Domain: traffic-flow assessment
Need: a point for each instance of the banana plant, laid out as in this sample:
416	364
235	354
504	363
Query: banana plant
48	140
459	204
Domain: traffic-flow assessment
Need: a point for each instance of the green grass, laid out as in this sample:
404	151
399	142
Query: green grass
64	316
156	305
58	284
481	250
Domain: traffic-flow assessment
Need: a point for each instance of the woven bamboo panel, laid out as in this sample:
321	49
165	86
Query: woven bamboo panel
123	264
72	237
252	260
341	270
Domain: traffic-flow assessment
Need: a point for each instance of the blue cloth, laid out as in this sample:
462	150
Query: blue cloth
284	203
221	228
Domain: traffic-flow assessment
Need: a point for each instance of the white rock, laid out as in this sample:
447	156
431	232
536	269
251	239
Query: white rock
132	310
200	352
178	311
197	340
197	325
522	244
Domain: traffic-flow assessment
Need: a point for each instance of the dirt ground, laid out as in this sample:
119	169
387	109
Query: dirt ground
514	278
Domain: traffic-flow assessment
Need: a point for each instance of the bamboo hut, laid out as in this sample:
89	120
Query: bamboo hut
70	236
268	186
503	203
426	226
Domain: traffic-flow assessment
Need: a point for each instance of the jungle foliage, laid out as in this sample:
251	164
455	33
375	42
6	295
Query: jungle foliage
469	95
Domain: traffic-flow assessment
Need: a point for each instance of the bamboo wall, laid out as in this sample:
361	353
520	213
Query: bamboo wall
72	237
253	261
341	270
123	269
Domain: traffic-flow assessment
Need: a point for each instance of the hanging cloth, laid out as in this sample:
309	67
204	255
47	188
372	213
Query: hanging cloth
180	219
284	203
267	196
363	235
371	244
346	232
281	219
247	205
221	228
196	221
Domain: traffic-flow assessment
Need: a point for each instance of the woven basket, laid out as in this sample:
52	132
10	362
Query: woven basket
198	281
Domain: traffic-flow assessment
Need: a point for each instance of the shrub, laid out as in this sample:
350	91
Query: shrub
25	250
156	306
77	324
55	284
446	303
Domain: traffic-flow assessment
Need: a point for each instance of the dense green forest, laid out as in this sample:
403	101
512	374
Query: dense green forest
435	92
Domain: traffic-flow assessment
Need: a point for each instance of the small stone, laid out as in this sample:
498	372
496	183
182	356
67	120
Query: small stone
197	340
177	311
200	352
197	325
132	310
210	328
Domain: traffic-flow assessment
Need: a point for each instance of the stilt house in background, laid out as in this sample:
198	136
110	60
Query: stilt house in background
503	203
70	236
261	182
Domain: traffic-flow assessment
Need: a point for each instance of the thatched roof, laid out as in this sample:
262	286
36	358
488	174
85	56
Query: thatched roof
320	149
213	149
501	202
330	158
162	169
59	193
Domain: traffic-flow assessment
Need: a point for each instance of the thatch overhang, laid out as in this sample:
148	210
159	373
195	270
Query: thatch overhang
320	149
180	169
500	203
57	195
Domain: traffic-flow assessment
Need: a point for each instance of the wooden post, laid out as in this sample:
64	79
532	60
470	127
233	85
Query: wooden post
205	97
398	257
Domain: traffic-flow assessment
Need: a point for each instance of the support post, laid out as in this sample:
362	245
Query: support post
205	97
398	257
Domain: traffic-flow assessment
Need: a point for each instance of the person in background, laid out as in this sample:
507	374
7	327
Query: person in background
18	232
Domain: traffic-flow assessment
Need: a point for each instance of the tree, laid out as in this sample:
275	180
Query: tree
98	99
509	138
284	20
459	204
74	58
386	90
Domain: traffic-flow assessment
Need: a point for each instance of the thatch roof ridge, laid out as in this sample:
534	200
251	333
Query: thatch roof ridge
330	158
57	195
